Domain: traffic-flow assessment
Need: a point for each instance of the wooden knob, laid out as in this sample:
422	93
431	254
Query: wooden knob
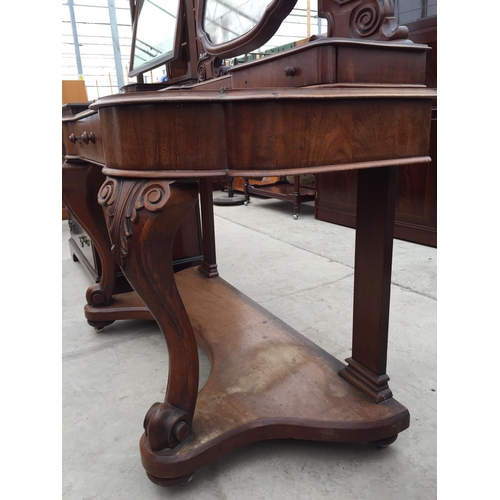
289	71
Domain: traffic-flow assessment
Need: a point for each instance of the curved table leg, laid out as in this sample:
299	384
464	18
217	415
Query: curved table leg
142	219
80	196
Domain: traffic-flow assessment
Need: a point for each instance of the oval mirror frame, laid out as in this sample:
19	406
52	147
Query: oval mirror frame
276	11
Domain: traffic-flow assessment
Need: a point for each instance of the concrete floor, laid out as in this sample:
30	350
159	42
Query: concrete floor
302	271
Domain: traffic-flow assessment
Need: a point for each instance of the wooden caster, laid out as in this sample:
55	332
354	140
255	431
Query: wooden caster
383	443
99	325
170	482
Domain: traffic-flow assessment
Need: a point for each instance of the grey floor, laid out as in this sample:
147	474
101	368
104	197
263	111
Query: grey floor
302	271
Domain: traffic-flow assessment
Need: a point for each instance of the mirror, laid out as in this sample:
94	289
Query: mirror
233	27
155	34
226	20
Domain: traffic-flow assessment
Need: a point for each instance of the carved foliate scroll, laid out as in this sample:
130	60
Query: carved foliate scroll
362	19
137	195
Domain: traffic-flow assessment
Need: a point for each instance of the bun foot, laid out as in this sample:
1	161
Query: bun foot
383	443
160	481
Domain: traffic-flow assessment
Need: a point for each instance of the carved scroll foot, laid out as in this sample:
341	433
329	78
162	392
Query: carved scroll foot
97	295
142	219
166	426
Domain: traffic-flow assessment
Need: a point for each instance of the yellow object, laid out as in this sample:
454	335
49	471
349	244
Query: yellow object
74	91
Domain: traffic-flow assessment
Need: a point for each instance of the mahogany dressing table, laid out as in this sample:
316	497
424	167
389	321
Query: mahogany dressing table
354	100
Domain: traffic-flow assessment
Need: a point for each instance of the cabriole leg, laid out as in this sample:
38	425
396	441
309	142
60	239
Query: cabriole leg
142	218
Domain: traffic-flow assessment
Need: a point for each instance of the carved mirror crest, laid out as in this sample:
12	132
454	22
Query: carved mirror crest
361	19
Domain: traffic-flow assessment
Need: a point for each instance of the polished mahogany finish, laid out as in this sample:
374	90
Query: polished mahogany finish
149	190
361	19
326	62
110	297
269	383
416	202
331	105
351	117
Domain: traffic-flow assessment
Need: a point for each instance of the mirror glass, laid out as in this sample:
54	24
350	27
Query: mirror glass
155	33
225	20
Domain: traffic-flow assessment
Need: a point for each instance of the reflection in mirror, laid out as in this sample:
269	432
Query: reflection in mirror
225	20
156	23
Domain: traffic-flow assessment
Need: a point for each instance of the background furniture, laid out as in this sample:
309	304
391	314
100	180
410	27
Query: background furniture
74	91
280	188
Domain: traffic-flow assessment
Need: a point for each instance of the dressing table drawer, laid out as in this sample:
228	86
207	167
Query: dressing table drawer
82	136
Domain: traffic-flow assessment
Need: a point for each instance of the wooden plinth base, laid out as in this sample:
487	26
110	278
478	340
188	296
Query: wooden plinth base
124	306
267	382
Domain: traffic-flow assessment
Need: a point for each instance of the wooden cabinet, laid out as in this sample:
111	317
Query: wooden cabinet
74	91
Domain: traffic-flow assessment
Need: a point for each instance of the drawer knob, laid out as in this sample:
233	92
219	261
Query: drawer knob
85	138
88	138
289	71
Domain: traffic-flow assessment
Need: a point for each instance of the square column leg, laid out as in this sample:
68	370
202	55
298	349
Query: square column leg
376	205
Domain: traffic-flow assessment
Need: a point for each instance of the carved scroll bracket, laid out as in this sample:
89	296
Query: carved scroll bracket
151	195
362	19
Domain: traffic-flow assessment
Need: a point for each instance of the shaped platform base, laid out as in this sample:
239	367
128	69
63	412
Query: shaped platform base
124	306
267	382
